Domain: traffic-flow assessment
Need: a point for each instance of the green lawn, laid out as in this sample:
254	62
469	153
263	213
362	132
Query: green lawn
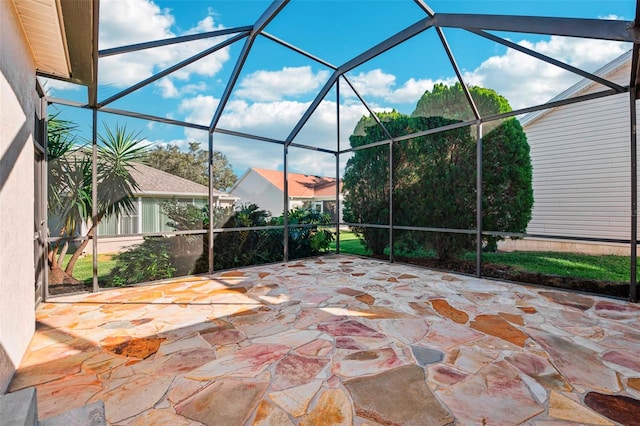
608	268
350	244
84	267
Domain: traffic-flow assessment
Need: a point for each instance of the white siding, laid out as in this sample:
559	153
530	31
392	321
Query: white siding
253	188
581	167
17	266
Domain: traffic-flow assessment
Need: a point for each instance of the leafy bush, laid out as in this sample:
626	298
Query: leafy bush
242	248
434	175
166	257
304	240
148	261
366	180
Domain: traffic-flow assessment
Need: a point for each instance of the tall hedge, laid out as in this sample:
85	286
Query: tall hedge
435	174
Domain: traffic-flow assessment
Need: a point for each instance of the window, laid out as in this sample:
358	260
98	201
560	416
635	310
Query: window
126	223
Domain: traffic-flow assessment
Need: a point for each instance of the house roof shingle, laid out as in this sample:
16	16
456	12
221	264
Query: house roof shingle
301	185
152	181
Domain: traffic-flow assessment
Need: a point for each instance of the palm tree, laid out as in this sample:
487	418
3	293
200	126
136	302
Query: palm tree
70	189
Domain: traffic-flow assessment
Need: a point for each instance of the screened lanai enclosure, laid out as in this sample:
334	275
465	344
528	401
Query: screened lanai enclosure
439	134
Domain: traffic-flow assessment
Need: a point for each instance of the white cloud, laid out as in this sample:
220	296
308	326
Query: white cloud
373	83
199	109
274	120
311	163
377	83
526	81
266	85
168	89
183	144
124	22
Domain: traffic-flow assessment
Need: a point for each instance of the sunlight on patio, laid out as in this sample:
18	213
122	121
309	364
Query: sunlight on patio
337	340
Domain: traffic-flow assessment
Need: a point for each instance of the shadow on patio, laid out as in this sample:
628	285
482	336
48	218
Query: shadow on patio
337	340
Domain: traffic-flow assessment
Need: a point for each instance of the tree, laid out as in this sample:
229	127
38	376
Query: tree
366	180
507	172
434	179
451	102
193	164
70	187
434	175
69	191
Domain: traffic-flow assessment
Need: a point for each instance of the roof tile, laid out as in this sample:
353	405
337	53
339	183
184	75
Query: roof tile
301	185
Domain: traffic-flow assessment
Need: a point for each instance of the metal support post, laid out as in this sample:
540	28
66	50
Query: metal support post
633	282
44	105
286	205
210	229
391	236
94	197
338	166
479	201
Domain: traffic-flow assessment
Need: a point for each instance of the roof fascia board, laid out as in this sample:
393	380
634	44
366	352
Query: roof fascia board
79	19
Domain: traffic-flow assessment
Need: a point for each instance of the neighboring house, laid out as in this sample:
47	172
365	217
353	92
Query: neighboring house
155	188
265	188
580	155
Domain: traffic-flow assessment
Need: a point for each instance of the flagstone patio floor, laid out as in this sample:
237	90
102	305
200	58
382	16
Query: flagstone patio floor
338	340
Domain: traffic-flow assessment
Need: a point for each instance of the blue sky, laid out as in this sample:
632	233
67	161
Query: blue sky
277	85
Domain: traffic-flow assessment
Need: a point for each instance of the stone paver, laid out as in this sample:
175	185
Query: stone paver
337	340
563	408
616	407
228	402
399	396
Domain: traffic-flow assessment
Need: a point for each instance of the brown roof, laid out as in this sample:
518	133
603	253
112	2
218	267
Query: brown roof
301	185
157	182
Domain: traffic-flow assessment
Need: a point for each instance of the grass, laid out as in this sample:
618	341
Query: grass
83	270
350	244
605	268
601	268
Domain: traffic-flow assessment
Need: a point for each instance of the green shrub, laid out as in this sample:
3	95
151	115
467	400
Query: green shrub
165	257
305	241
434	175
151	260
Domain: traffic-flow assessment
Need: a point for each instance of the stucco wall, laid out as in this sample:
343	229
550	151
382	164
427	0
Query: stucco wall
255	189
17	106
